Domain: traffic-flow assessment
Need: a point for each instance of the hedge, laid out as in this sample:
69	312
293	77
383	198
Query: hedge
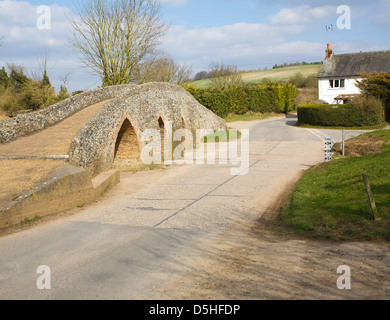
278	98
361	112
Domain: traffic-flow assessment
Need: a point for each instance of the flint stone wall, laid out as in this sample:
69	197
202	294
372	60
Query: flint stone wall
26	124
94	145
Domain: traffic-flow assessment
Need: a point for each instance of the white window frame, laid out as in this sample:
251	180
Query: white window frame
332	83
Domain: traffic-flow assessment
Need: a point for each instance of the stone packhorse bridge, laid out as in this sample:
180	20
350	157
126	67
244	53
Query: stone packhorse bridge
65	156
113	136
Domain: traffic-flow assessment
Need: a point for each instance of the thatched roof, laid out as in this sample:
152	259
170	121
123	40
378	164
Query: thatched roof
350	65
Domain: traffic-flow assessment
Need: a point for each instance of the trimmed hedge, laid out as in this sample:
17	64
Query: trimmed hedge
362	112
278	98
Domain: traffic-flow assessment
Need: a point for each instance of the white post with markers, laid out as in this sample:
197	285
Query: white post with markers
328	149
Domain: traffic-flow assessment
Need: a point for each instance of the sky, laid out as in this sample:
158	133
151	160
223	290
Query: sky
251	34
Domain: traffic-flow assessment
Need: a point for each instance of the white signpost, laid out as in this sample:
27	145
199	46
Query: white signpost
328	149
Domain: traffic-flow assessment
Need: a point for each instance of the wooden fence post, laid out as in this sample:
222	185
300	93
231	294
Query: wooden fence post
371	197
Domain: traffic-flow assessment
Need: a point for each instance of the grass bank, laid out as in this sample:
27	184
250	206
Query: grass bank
223	136
377	127
330	201
251	116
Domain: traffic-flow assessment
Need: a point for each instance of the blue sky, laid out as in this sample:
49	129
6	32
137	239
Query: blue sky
252	34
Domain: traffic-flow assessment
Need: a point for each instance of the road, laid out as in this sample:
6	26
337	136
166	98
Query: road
155	226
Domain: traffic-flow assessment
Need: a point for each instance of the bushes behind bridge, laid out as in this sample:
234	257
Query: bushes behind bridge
362	112
19	93
265	98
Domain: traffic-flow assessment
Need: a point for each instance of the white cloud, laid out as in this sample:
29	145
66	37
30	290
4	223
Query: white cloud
285	37
215	39
255	45
18	22
24	43
302	15
243	43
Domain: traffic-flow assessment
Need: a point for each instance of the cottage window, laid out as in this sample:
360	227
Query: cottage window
337	83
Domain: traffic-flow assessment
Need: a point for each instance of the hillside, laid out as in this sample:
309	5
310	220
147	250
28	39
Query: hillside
279	74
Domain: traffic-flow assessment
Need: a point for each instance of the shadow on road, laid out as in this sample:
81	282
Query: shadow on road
292	119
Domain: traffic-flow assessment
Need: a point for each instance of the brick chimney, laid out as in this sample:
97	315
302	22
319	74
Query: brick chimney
328	52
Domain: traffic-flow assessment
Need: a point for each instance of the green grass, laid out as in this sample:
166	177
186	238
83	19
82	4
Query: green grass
279	74
384	134
330	201
377	127
223	135
251	116
27	220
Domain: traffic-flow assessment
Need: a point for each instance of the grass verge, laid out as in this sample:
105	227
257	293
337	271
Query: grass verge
377	127
223	135
251	116
330	201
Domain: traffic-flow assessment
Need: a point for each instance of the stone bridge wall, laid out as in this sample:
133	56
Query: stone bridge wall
25	124
94	146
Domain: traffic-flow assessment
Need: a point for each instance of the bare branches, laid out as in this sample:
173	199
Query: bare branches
162	68
114	36
224	76
65	78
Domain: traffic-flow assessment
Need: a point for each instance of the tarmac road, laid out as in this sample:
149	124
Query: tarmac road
153	225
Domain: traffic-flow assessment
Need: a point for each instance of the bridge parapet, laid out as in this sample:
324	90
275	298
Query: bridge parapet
29	123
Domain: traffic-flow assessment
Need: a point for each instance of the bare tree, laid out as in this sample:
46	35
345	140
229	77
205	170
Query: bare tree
224	76
163	68
114	36
63	93
39	73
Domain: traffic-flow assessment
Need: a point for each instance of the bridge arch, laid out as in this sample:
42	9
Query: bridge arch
127	144
101	144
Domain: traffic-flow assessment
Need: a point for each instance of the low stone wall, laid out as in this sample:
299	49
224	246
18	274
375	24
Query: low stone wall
93	148
68	188
26	124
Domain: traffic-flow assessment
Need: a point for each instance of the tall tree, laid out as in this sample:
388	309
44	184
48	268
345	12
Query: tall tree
114	36
377	85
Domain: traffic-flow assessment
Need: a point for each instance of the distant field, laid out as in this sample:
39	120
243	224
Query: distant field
279	74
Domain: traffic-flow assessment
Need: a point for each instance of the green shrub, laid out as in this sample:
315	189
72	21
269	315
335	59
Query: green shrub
377	85
263	98
18	93
300	81
362	112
